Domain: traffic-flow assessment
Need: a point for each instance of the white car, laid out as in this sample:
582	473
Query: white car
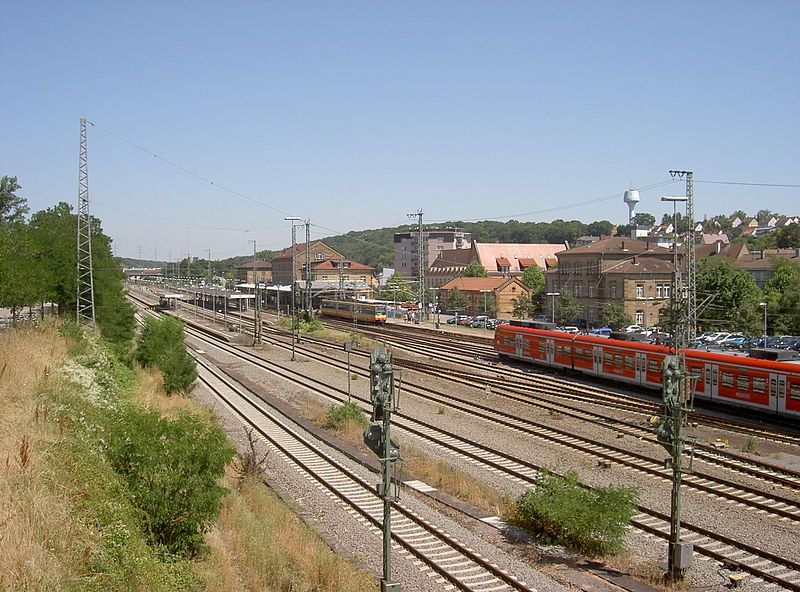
632	329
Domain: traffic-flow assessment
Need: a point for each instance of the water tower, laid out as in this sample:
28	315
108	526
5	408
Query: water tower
631	198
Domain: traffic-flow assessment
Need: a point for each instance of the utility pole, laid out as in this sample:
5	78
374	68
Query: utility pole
257	309
691	264
308	306
293	219
340	296
208	279
385	400
85	288
676	393
420	264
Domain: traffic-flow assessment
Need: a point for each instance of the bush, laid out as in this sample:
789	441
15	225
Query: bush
561	510
161	344
171	468
347	414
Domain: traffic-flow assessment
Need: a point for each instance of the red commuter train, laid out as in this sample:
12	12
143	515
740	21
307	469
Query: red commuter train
771	387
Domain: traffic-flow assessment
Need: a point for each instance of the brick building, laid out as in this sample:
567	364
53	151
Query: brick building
485	294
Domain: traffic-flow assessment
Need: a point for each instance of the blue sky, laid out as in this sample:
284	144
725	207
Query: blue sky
352	114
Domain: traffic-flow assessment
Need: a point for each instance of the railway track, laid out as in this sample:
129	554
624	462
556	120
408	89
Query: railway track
737	554
440	553
782	571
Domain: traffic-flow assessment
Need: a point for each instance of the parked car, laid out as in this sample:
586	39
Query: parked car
464	321
570	329
602	332
632	329
734	342
479	321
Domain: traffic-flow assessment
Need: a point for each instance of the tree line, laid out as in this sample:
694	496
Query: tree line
39	264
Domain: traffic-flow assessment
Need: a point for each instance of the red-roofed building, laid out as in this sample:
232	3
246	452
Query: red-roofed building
494	295
499	260
343	270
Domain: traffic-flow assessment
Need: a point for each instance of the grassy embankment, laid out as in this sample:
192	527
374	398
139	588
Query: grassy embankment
67	518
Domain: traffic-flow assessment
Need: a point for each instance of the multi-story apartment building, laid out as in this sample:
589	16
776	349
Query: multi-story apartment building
434	240
618	269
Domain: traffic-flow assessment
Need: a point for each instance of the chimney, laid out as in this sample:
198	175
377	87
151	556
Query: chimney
635	260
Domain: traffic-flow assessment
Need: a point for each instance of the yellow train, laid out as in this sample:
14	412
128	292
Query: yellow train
363	312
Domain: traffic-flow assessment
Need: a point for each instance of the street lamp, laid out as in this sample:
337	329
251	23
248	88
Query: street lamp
553	294
257	311
293	219
486	320
764	304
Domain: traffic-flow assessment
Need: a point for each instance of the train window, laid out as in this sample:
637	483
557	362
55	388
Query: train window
618	360
629	362
794	391
541	346
608	358
727	378
563	350
653	366
742	382
759	384
583	353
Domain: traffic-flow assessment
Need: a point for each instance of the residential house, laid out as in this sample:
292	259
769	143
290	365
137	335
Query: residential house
343	270
434	241
282	263
254	271
631	272
499	259
757	263
485	295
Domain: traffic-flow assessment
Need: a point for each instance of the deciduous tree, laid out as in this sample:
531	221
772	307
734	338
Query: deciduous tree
475	269
613	315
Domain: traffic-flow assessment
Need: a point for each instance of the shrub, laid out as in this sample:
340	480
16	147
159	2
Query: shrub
347	414
561	510
161	344
171	468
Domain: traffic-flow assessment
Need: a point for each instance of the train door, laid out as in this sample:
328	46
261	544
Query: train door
518	344
777	392
550	350
641	368
711	381
598	359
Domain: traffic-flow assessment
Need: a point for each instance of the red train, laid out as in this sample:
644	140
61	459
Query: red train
772	387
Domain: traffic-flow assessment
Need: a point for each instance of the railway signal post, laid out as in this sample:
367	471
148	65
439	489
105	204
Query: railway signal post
385	400
670	435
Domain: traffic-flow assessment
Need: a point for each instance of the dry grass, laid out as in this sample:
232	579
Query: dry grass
258	543
37	535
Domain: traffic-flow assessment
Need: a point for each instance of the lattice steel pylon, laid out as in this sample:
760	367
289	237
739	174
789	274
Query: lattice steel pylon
691	264
421	264
85	302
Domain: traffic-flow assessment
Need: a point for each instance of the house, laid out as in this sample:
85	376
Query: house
343	270
499	259
434	241
493	296
254	271
282	263
631	272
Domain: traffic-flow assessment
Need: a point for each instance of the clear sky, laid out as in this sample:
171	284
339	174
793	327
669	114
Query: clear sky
352	114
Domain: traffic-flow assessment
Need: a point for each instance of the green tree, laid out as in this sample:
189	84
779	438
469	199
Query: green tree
613	315
734	296
788	237
19	284
161	344
12	207
599	228
533	277
456	300
171	469
523	307
475	269
398	289
567	309
644	219
782	294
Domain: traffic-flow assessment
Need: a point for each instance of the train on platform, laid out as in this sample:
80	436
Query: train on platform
354	310
764	385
